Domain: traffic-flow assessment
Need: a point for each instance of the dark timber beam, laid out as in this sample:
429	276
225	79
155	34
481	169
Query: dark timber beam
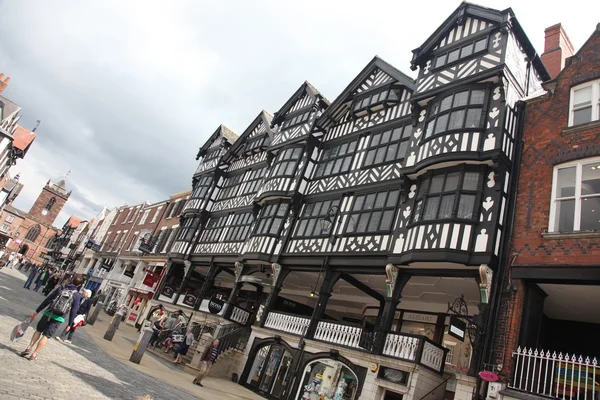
362	287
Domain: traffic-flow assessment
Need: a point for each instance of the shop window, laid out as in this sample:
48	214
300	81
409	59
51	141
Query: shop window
585	103
271	371
309	223
239	228
447	195
373	212
576	197
418	328
460	53
387	146
271	219
286	162
328	379
459	353
336	159
455	111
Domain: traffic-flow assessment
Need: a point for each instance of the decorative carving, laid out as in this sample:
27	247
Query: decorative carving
239	267
417	133
391	272
413	191
406	212
485	282
186	267
491	180
497	38
488	203
422	115
276	270
489	143
497	93
482	241
427	67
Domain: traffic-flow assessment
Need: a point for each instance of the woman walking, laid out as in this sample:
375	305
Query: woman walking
184	346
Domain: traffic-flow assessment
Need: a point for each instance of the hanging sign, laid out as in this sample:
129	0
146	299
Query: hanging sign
215	305
457	328
149	279
488	376
256	279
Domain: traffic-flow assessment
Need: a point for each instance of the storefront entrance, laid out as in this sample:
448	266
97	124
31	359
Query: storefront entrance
328	380
271	371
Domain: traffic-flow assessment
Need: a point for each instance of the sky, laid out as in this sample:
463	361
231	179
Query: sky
127	91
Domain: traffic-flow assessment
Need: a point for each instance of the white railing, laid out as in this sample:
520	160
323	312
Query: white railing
239	315
555	375
401	346
433	356
287	323
344	335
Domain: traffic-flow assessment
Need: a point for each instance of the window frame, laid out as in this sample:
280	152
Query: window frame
349	153
361	103
578	164
277	205
231	187
424	194
274	172
459	45
236	226
9	219
212	234
430	117
205	182
386	144
251	145
144	217
250	184
304	113
350	218
323	213
595	85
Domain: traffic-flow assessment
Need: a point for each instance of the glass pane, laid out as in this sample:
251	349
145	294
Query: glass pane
565	182
582	96
466	206
431	207
471	181
346	164
380	156
446	103
402	149
477	96
446	206
385	137
480	45
386	220
282	210
441	60
352	221
358	203
424	186
456	119
328	168
352	147
461	99
370	157
466	50
369	202
376	139
582	115
429	129
451	181
436	184
394	93
382	95
380	201
473	118
407	131
391	152
342	149
310	227
565	213
590	214
362	222
275	226
453	56
397	134
337	166
440	125
301	227
374	221
590	180
374	98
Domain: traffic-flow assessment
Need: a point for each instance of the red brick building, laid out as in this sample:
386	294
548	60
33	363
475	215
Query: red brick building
552	291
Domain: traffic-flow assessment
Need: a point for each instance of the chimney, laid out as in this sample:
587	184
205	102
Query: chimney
557	48
4	83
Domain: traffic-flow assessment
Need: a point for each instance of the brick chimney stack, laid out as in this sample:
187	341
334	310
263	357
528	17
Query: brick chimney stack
557	48
4	83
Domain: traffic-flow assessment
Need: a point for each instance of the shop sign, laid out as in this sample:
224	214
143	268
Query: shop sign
417	317
488	376
149	279
215	305
256	279
393	375
132	317
168	291
457	328
190	300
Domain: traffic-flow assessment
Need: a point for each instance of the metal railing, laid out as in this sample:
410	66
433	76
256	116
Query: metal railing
237	340
555	375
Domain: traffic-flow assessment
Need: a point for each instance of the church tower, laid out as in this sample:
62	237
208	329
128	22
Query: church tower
50	202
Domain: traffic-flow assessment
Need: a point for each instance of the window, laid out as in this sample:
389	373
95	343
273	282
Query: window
9	219
239	227
122	240
190	226
373	212
386	146
50	204
33	233
450	352
576	197
132	241
156	214
144	217
337	159
296	120
128	216
173	208
253	179
286	162
376	97
213	229
461	52
585	103
447	195
309	223
231	186
271	219
177	210
459	110
211	154
201	187
131	216
4	228
256	143
160	240
169	242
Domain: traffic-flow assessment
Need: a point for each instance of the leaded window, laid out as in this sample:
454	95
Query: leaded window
296	120
286	162
271	219
461	52
239	228
201	187
231	186
459	110
253	179
376	97
336	160
213	229
389	145
257	143
447	195
212	154
190	226
309	223
373	212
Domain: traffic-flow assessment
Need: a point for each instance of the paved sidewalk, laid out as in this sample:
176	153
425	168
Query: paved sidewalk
90	368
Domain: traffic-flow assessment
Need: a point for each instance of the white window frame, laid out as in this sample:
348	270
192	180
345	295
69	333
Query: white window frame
144	217
595	100
155	216
4	228
451	346
577	197
10	219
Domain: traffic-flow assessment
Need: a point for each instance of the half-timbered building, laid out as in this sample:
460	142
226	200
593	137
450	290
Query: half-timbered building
368	270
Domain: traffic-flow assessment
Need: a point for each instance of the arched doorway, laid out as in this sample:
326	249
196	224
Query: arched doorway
271	371
329	379
23	249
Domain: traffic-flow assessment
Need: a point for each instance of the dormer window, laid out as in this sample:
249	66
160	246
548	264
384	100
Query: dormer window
296	120
461	52
257	143
375	100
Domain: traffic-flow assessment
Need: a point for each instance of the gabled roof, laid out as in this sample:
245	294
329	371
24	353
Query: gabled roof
222	131
307	88
73	221
264	117
8	108
349	92
15	211
497	17
22	139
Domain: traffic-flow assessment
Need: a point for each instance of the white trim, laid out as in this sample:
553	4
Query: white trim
155	216
144	217
595	100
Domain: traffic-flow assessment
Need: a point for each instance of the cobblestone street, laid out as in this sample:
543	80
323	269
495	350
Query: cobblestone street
78	371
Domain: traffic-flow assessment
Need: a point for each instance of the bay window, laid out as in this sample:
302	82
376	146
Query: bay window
239	227
387	146
576	197
309	223
271	219
373	212
201	187
231	186
337	159
213	229
585	103
456	111
252	180
286	162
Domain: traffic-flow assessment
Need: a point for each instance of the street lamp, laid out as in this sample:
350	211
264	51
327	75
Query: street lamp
327	223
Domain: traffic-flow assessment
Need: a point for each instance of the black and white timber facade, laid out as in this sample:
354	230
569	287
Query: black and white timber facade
347	234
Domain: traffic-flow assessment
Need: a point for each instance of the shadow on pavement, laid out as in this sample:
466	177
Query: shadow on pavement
15	351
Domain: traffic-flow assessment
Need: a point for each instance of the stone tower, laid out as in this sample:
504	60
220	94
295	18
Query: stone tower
50	202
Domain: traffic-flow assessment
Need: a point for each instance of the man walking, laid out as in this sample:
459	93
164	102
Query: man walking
210	357
32	273
61	303
82	315
41	280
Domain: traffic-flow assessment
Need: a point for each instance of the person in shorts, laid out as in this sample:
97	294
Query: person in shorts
49	323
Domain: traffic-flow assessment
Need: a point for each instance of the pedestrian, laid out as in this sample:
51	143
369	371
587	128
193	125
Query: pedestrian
184	346
32	273
51	283
157	327
82	315
210	357
63	302
96	297
41	280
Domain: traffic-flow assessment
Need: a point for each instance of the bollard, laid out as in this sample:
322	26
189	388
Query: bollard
94	316
114	325
140	347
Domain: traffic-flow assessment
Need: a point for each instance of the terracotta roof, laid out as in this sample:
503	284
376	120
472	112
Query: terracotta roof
74	221
22	138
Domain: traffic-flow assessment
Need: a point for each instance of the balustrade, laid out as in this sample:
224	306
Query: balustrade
417	349
344	335
293	324
239	315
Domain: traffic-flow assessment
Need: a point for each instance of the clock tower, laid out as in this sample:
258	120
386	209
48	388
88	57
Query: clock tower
50	202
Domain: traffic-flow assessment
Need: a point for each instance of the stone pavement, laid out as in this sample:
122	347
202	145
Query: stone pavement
84	370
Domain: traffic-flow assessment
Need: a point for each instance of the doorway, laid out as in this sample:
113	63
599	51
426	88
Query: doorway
271	371
23	250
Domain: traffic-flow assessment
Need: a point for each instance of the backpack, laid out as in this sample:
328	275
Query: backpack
61	305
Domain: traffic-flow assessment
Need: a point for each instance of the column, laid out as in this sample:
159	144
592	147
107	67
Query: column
163	280
187	268
209	283
331	277
395	282
279	276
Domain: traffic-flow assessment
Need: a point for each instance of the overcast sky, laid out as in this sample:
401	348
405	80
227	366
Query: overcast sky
128	90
